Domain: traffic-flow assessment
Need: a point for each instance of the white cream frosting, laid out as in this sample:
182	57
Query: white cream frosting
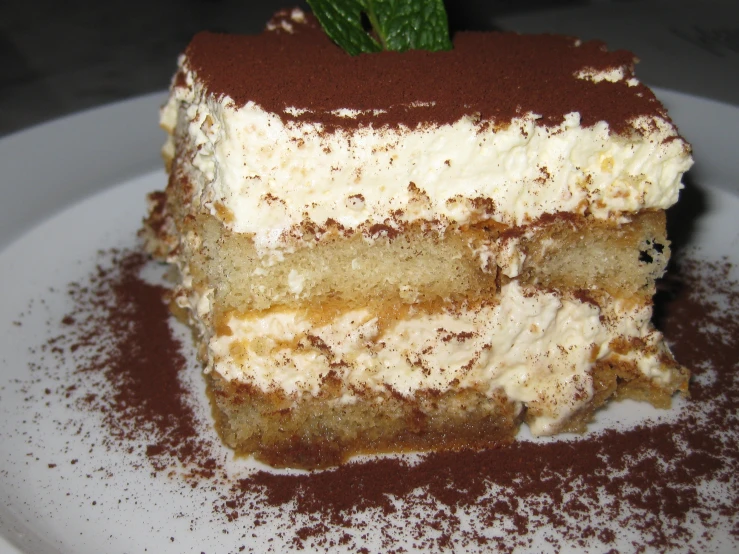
535	346
289	171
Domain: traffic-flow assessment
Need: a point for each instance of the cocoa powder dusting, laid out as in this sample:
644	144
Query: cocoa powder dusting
659	486
119	329
490	76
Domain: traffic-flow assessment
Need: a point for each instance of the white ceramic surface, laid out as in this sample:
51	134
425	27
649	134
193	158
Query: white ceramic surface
77	185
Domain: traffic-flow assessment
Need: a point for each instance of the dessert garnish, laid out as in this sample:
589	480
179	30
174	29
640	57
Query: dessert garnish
394	25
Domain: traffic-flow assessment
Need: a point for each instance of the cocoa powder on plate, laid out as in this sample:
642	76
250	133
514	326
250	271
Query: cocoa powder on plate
658	486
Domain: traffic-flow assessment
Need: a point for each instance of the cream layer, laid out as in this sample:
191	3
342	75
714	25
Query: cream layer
290	172
536	346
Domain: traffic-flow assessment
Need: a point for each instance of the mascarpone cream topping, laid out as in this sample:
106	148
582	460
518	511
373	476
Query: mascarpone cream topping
291	171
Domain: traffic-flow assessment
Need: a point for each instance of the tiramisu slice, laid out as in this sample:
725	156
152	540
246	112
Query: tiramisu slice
401	251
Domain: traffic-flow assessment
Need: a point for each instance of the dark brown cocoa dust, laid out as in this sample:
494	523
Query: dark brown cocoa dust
658	486
487	74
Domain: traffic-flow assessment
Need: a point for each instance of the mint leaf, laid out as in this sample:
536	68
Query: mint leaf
411	25
396	24
342	21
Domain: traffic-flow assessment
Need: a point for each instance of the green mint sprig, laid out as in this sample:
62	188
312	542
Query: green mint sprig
398	25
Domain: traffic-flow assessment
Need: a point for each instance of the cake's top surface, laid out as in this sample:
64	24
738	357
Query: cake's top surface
294	66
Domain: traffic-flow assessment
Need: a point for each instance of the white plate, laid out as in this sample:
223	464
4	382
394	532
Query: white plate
77	185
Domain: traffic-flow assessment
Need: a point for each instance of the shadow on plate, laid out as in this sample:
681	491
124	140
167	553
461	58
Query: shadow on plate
681	223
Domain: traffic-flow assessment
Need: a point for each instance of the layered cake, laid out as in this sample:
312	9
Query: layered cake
414	251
